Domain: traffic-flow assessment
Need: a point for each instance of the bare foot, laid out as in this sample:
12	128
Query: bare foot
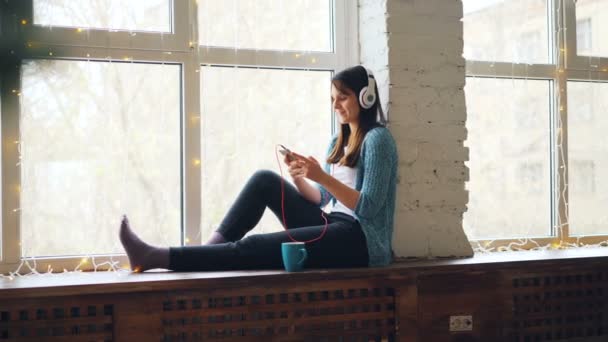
142	256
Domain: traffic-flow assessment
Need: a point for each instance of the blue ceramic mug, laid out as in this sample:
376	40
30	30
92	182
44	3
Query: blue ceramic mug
294	256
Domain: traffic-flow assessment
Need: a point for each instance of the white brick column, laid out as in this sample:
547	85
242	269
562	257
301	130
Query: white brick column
415	49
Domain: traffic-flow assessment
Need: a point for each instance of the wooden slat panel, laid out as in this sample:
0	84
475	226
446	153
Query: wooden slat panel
558	304
330	304
101	336
56	319
264	323
50	323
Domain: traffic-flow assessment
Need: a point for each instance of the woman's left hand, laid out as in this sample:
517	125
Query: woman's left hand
310	167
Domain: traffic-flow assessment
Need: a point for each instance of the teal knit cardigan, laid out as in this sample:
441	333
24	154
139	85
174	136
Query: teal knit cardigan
376	183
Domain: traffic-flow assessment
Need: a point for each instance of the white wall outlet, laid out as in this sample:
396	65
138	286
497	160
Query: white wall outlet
461	323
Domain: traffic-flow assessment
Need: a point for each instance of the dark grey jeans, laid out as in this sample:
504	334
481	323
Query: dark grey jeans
343	245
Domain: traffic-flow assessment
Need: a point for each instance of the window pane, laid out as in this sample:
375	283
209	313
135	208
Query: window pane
587	158
509	187
591	26
246	112
267	24
98	140
133	15
506	31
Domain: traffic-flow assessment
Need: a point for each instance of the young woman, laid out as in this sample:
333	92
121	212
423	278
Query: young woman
358	181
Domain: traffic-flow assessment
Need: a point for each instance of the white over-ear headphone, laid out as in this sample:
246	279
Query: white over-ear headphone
367	95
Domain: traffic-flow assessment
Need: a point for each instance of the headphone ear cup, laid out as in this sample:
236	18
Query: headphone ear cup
370	99
363	98
366	98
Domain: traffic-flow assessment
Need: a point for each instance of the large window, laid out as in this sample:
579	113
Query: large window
537	80
157	109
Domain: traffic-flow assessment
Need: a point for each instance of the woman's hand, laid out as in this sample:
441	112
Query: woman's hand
307	167
294	168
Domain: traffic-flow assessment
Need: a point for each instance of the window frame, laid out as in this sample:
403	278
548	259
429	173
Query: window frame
566	66
181	47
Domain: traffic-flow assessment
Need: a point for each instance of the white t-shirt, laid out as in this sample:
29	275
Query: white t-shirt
346	175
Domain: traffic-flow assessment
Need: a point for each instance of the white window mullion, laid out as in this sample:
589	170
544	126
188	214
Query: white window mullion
291	59
510	70
191	122
560	125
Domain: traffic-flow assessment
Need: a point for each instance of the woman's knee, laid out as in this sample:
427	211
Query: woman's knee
265	179
265	176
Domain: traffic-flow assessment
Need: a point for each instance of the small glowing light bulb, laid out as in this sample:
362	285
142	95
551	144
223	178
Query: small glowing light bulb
23	22
196	162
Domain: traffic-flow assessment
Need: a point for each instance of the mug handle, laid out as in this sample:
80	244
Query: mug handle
304	256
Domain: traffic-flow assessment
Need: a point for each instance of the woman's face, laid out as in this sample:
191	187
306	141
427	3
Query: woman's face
345	104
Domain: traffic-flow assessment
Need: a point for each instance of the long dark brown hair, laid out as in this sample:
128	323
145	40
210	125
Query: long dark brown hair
348	81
